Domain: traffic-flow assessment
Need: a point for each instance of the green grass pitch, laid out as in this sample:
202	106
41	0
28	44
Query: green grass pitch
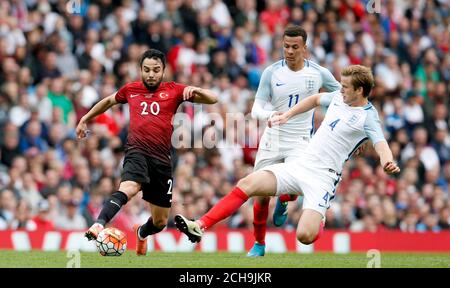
219	260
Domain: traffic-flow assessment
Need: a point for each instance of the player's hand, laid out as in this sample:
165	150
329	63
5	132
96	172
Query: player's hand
391	168
278	118
189	91
81	130
275	113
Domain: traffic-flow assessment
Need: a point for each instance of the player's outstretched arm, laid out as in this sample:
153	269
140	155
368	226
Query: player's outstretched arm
301	107
258	111
386	158
98	109
199	95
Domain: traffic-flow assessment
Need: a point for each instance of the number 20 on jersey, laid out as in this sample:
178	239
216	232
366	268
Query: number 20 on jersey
153	108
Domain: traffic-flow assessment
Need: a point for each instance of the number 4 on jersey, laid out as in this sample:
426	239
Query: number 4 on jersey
334	123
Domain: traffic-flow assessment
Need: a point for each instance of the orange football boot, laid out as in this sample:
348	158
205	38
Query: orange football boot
141	245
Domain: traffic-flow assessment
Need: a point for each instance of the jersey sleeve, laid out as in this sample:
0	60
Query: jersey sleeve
121	95
264	88
328	81
372	127
326	98
179	88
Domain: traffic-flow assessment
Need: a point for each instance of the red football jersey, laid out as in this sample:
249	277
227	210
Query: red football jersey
151	114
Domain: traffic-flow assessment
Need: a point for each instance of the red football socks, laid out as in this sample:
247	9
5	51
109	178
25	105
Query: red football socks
260	212
288	197
224	208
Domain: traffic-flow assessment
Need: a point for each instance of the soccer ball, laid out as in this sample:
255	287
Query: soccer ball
111	242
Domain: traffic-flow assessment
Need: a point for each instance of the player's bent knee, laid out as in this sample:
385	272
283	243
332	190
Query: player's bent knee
263	200
245	184
306	237
130	188
257	184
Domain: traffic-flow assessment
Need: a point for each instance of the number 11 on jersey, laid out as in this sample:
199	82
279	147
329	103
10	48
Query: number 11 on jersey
291	97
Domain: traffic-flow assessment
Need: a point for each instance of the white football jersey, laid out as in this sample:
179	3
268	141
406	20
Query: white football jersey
342	131
283	88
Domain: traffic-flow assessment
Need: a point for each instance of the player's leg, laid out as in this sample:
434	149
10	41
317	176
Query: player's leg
318	187
279	177
260	183
264	158
127	190
310	226
280	212
155	224
159	195
134	173
260	212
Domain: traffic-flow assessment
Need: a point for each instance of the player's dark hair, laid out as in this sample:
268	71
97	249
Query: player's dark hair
153	54
295	31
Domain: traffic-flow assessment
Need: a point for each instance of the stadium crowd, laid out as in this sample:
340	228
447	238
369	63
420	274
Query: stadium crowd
57	61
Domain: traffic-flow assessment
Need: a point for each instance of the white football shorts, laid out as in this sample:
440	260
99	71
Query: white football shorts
302	177
265	157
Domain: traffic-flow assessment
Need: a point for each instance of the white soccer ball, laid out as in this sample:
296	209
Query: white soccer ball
111	242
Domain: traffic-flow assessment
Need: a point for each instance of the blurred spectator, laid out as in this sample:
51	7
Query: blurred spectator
53	181
60	101
65	60
39	99
389	73
409	223
43	219
441	145
21	112
8	204
88	94
275	16
394	119
29	192
10	147
413	111
48	67
22	219
32	142
420	148
181	56
444	218
34	117
71	218
430	223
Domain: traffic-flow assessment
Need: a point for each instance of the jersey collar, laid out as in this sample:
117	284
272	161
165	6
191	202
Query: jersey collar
365	107
305	64
368	106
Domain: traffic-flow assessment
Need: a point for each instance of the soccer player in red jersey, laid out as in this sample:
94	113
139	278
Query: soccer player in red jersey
147	164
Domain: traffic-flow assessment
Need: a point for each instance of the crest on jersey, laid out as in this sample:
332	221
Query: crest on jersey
310	84
163	95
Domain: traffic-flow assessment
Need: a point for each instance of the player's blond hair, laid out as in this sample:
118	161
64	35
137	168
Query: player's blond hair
361	77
